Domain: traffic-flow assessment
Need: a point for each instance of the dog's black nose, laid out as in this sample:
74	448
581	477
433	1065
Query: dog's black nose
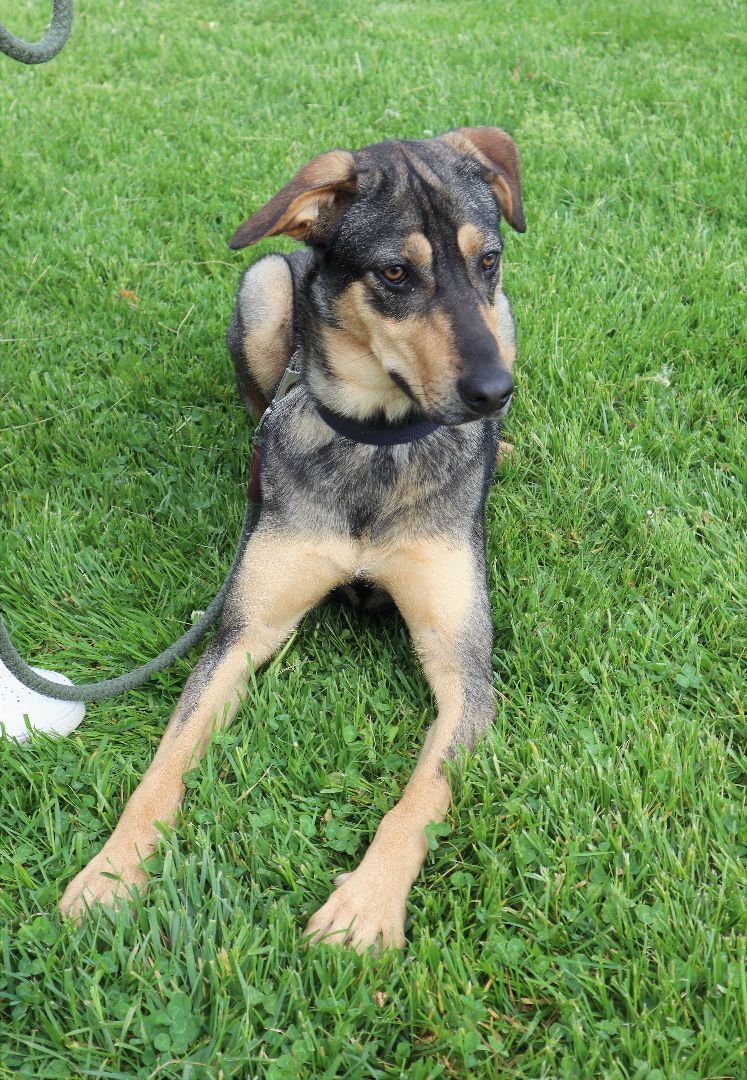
485	394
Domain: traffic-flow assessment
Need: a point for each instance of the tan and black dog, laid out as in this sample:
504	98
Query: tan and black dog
376	468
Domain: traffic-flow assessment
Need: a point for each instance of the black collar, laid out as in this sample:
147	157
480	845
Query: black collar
375	434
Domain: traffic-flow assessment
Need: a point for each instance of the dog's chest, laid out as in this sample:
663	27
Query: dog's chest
313	479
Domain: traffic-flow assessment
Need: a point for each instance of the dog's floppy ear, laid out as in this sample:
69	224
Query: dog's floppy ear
308	206
497	152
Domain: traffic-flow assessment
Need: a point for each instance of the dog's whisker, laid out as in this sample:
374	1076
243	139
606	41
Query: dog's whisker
345	361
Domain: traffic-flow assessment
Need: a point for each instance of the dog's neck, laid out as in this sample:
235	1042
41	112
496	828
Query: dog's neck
345	376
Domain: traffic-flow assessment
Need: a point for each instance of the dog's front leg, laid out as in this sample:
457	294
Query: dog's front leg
281	576
440	589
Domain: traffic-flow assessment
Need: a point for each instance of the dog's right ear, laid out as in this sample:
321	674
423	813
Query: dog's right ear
308	207
497	151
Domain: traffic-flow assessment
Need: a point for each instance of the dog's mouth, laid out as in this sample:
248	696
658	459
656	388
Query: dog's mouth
456	413
450	415
402	384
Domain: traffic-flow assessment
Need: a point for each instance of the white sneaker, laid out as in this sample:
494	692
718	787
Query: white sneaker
45	713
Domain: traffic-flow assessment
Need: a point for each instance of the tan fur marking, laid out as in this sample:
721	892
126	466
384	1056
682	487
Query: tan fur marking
363	384
471	241
433	584
459	142
503	328
491	313
430	340
502	192
422	350
276	592
355	313
418	251
267	292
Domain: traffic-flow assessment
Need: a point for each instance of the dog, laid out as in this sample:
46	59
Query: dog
375	468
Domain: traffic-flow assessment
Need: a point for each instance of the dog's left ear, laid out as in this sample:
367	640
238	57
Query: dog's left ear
497	152
308	207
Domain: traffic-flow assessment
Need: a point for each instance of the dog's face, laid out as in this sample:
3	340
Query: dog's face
409	254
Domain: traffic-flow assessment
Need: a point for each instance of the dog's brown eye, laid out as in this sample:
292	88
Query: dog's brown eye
395	275
490	261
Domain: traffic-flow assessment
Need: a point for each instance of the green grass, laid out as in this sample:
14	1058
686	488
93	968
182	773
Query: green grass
582	912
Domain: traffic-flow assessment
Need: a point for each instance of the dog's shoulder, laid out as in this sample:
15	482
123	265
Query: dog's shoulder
261	331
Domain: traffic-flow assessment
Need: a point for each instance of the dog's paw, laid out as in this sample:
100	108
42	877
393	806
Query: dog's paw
107	880
360	915
504	449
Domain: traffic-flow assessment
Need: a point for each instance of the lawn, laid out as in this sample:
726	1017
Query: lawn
581	913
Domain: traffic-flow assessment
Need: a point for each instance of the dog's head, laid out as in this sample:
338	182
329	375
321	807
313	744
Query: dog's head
408	263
